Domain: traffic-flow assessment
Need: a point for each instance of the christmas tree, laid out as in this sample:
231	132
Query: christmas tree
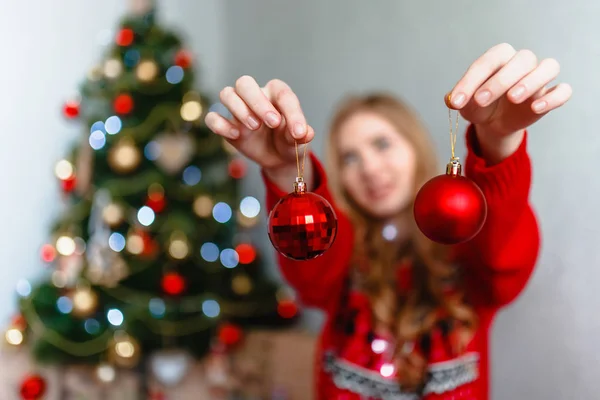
154	248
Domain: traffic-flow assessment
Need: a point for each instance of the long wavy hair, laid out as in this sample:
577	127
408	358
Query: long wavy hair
434	296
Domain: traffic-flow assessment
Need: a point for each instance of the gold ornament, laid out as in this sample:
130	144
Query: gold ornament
124	156
203	206
112	68
112	214
175	151
124	350
241	284
85	302
146	70
178	246
106	373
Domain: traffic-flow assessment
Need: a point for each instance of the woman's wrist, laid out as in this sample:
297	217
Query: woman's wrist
495	146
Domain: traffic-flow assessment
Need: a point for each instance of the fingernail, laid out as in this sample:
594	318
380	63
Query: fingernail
483	97
458	100
518	92
539	106
299	130
253	122
234	133
272	119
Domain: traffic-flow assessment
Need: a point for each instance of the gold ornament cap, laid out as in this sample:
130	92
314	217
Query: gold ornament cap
453	168
299	185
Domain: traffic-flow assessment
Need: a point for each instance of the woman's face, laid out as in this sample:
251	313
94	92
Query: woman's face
377	164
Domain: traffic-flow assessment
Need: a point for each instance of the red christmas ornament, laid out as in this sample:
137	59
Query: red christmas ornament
450	208
183	58
68	185
48	253
287	309
33	387
156	203
19	322
237	168
302	225
246	253
173	284
123	104
230	334
125	37
71	109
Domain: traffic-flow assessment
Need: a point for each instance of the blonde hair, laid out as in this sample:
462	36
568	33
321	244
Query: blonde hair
413	314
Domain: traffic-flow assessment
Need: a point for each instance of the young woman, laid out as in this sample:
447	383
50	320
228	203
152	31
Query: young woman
407	318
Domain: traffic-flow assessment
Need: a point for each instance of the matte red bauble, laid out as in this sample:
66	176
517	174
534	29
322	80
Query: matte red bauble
450	208
302	225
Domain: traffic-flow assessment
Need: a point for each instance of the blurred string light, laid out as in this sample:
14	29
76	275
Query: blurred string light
387	370
157	307
209	252
97	126
178	248
91	326
229	258
250	207
115	317
222	212
191	110
48	253
14	337
116	242
79	246
23	288
152	151
63	169
174	74
113	125
390	232
64	304
211	308
203	206
379	346
113	68
192	175
146	216
146	70
65	245
135	244
97	140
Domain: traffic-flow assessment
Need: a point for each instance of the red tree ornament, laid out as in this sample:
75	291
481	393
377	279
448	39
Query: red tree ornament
33	387
183	58
68	185
302	225
125	37
71	109
287	309
450	208
246	253
123	104
173	284
230	334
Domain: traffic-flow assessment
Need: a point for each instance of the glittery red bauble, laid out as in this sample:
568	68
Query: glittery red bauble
183	58
230	334
123	104
33	387
302	225
173	284
450	209
71	109
125	37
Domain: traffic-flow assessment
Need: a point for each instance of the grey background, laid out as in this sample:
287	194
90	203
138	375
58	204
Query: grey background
545	345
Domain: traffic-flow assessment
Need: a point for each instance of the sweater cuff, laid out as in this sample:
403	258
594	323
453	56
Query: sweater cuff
499	181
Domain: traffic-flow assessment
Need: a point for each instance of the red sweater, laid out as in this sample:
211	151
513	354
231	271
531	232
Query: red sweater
352	362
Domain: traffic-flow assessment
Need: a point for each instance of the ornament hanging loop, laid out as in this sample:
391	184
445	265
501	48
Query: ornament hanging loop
453	168
299	184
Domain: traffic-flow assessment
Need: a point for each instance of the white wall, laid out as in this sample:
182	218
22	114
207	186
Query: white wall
47	49
545	346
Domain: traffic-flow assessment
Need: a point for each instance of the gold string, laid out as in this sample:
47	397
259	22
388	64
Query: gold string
300	172
453	134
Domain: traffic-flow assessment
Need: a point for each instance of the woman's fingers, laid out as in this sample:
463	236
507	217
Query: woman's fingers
221	126
238	108
287	102
255	99
553	98
531	84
